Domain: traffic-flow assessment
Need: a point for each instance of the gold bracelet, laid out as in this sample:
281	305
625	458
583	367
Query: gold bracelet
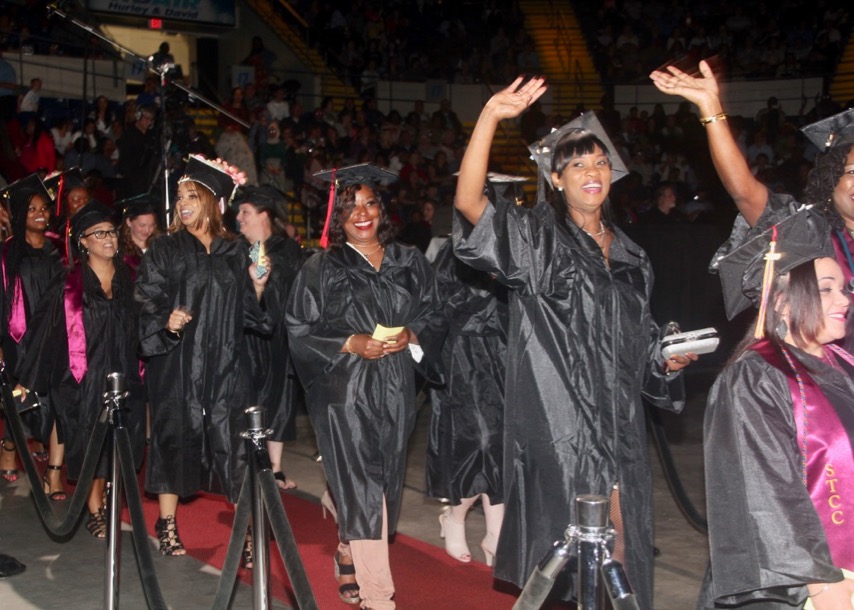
347	345
721	116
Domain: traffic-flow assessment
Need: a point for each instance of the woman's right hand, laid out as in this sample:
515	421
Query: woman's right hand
178	319
21	392
366	347
515	99
701	91
837	595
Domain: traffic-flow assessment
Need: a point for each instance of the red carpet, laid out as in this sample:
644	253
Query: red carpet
425	576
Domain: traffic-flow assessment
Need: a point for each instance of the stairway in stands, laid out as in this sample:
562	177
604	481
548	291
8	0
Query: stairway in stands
842	87
564	55
331	84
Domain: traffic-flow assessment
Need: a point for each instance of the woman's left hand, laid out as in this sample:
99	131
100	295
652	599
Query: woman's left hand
677	363
399	342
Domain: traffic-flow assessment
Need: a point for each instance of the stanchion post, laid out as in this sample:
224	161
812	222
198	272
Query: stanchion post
592	531
114	399
258	460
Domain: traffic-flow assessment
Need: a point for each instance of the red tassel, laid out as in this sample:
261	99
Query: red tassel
59	190
324	237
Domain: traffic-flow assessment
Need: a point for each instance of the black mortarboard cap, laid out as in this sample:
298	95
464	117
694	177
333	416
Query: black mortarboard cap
209	175
543	149
505	186
827	132
137	206
18	195
265	196
802	237
363	173
89	215
70	179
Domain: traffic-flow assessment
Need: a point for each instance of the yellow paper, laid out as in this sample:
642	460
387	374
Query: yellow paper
847	574
382	333
262	251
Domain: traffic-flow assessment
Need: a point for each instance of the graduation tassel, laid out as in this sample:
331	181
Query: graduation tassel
324	237
767	278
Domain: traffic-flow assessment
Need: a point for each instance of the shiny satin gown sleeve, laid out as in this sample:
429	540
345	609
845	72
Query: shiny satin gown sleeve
153	300
766	540
44	346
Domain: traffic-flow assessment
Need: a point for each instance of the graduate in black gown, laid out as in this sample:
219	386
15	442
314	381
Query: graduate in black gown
196	294
829	183
274	375
30	258
465	446
360	382
585	347
779	431
85	329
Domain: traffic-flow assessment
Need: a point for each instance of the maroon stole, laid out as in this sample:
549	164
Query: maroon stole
73	301
826	456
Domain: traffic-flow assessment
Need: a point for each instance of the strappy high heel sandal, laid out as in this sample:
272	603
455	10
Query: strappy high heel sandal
167	535
57	495
97	524
247	558
455	537
348	591
10	474
284	482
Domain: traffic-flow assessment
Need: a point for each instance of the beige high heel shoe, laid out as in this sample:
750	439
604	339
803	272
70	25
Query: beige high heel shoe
454	534
327	504
488	546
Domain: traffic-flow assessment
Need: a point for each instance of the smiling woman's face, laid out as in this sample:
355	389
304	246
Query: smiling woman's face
362	224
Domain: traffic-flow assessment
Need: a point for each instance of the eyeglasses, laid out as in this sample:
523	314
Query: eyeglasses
101	233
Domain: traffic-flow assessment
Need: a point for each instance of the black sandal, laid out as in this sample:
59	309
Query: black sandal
97	524
57	495
167	535
247	559
10	474
343	569
286	482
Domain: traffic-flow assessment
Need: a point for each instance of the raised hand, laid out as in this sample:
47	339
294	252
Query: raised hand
515	99
702	91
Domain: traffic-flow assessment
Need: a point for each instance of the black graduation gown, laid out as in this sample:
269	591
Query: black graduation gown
111	346
765	537
465	443
36	267
363	411
273	373
200	383
583	348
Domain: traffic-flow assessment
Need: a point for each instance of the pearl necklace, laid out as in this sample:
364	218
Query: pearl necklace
372	252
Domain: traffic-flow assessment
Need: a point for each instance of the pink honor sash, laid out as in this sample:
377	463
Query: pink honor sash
73	298
826	454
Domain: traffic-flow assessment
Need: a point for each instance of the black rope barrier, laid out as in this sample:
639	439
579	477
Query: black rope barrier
59	526
63	526
671	475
